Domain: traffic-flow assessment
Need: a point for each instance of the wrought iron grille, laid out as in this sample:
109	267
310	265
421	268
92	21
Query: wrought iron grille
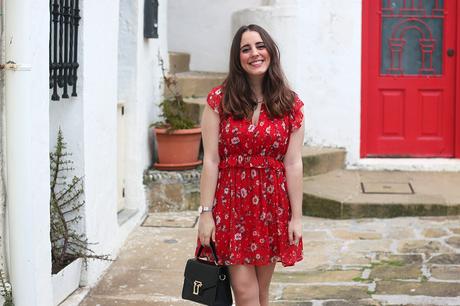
63	47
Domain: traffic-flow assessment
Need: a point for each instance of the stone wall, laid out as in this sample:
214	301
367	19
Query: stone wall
172	190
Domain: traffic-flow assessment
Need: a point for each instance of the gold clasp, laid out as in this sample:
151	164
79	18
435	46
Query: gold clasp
196	287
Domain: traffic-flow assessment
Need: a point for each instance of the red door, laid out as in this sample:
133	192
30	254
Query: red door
408	87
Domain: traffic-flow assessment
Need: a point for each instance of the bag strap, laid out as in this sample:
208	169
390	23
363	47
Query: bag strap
213	249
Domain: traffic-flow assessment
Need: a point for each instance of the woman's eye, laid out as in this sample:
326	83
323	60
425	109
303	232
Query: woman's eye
245	50
261	47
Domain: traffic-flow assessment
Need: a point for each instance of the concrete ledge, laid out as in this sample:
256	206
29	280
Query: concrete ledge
338	195
197	83
319	160
179	62
407	164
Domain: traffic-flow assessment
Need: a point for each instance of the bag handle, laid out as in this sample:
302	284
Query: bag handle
213	249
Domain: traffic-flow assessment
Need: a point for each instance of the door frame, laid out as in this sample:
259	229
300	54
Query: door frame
365	53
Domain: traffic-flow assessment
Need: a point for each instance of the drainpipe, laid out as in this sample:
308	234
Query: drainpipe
27	161
3	265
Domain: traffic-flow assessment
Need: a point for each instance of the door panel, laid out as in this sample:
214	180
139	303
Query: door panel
408	78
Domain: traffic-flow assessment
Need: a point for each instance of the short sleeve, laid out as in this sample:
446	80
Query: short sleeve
214	98
296	115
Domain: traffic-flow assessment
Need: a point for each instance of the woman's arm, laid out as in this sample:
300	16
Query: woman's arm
210	133
294	177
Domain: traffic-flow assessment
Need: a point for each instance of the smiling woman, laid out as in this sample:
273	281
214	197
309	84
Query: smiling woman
252	138
254	57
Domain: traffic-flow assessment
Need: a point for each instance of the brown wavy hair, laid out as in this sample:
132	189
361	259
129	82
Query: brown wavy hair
238	100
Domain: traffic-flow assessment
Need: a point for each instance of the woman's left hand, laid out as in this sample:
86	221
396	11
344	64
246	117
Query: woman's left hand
295	231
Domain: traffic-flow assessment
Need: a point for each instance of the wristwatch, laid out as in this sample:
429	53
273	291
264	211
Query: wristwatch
202	209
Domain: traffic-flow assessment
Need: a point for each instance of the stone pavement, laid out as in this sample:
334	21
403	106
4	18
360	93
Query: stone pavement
400	261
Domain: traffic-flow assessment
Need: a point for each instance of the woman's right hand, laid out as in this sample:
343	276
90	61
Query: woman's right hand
206	228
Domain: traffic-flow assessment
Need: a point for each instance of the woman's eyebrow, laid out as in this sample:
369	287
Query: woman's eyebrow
257	43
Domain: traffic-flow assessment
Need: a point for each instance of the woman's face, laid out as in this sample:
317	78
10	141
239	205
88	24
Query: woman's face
254	57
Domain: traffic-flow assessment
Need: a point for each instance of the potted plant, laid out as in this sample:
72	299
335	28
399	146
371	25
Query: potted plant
178	136
69	249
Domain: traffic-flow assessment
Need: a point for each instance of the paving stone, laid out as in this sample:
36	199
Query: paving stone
454	241
138	301
369	245
445	259
314	235
446	272
389	272
387	257
367	302
350	235
310	261
324	292
399	233
316	276
418	288
455	230
354	259
157	248
321	246
422	246
287	303
121	283
171	219
434	232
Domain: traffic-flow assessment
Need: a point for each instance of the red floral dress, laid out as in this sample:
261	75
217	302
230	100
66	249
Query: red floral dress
251	204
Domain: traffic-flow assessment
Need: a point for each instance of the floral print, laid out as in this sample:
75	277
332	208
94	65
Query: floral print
251	205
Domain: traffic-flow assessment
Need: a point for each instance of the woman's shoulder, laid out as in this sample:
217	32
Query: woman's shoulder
214	98
296	114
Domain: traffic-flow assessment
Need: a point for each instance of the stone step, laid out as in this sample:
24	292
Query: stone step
319	160
344	194
196	83
179	62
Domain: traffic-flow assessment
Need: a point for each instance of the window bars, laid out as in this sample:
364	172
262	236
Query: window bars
63	47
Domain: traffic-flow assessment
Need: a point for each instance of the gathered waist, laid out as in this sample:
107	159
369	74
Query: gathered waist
257	161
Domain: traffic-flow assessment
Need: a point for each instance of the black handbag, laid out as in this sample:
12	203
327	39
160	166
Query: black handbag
206	282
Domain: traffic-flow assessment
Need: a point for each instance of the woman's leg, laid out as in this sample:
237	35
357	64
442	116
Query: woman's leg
244	284
264	276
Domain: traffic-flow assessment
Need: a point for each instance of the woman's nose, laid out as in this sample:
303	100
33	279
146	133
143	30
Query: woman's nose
254	51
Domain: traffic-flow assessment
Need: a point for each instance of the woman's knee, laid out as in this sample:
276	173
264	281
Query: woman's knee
244	284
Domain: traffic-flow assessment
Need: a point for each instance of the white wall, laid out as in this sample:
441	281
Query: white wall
27	152
203	28
139	89
329	66
116	64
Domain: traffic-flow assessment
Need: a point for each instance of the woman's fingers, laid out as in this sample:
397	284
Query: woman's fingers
204	239
297	237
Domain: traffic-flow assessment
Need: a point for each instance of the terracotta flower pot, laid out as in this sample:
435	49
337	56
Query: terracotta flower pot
178	150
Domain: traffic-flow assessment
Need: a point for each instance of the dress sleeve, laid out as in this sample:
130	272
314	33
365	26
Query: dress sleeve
296	116
214	98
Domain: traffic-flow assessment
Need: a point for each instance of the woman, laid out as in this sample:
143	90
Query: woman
252	137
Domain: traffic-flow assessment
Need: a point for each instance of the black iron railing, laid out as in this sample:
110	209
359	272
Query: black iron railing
63	45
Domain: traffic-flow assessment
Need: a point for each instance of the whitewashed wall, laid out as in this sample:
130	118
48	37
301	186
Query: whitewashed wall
117	64
203	28
329	76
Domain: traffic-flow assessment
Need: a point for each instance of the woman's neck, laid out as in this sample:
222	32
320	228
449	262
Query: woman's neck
256	86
